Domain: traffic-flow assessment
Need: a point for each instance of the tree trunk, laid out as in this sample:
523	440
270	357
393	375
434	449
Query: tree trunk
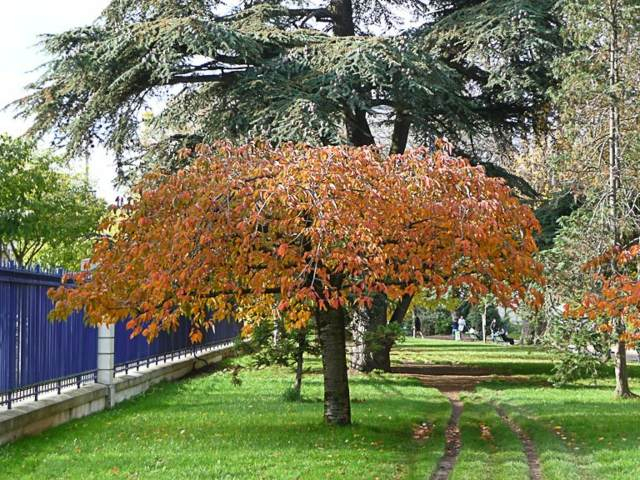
484	325
342	14
301	347
620	358
331	332
382	357
401	309
400	136
365	354
356	123
622	376
297	386
614	132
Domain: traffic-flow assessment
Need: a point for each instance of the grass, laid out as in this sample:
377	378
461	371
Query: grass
206	428
490	448
581	432
501	359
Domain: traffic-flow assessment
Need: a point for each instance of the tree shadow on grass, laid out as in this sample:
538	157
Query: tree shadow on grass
234	437
580	431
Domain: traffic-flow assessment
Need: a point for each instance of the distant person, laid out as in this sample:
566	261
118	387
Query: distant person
507	338
504	335
462	323
454	328
473	334
417	327
494	326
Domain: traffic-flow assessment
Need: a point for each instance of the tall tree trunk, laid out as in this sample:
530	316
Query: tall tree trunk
331	332
484	324
365	354
400	134
356	123
622	376
622	379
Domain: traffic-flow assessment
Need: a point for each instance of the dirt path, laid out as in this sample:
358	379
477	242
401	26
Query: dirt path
451	380
535	472
453	443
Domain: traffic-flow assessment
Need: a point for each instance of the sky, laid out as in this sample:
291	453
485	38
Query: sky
21	23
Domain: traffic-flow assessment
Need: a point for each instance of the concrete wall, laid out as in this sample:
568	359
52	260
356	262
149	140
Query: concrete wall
30	418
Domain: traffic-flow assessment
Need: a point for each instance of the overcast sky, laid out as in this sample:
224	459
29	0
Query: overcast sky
20	24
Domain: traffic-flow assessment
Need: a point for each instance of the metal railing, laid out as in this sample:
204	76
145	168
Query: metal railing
133	353
38	356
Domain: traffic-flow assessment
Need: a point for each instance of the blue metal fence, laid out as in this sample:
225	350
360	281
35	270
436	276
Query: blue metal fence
38	356
136	352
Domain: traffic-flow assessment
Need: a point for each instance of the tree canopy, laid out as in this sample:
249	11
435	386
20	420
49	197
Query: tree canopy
317	74
587	162
307	232
41	208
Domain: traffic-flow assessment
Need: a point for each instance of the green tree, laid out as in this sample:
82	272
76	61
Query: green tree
471	70
46	216
599	141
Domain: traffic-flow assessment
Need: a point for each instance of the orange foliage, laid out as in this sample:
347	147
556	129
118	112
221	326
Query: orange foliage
246	228
618	296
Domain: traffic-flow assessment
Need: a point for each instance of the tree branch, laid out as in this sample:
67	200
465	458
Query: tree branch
203	78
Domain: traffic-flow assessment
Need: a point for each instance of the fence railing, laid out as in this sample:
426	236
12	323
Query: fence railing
132	353
38	356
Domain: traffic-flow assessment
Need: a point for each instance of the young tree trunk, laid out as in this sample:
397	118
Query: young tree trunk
331	332
302	346
622	376
484	324
366	355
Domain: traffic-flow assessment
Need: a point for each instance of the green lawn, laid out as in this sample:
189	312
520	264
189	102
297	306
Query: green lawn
206	428
581	432
499	358
490	449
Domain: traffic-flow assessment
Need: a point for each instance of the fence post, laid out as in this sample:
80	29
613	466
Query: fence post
106	359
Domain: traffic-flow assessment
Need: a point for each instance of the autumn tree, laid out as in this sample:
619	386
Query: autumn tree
47	215
311	230
614	305
321	73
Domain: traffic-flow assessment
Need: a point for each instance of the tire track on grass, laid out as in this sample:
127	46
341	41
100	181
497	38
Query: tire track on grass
535	471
